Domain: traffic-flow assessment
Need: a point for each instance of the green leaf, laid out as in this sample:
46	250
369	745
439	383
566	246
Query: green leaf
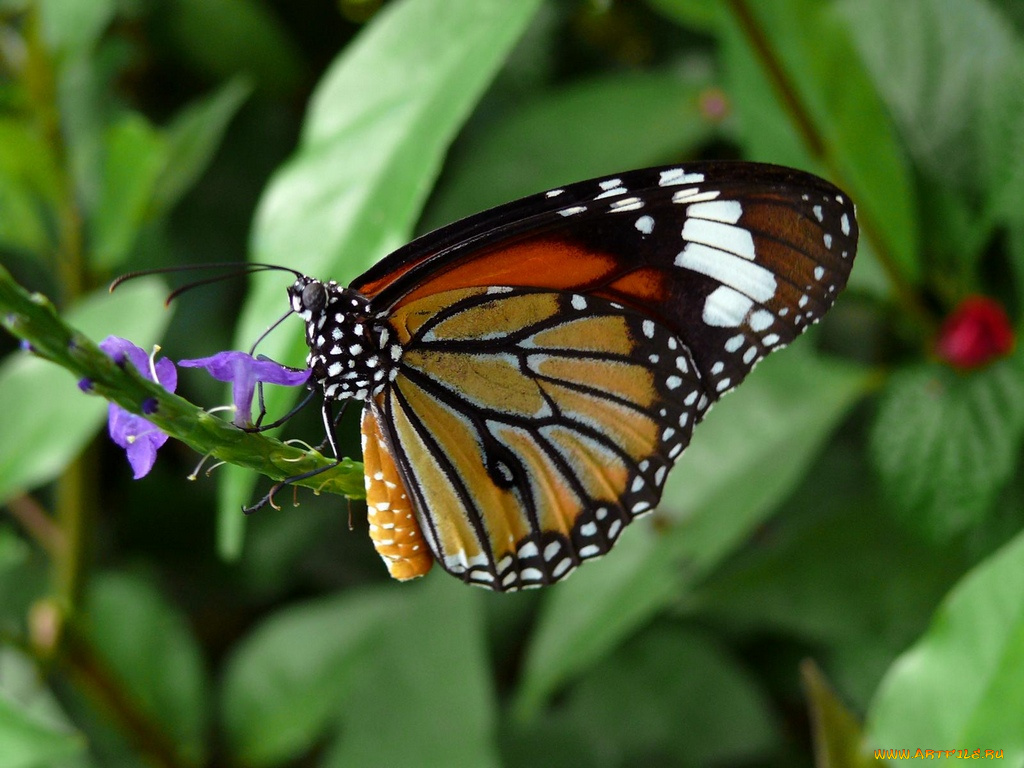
583	619
146	644
936	63
945	442
378	126
285	683
29	184
838	736
787	581
72	27
225	38
749	454
135	155
802	99
540	144
192	138
689	703
49	420
952	74
33	730
423	699
962	684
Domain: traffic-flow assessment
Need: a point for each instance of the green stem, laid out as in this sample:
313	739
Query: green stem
72	487
31	317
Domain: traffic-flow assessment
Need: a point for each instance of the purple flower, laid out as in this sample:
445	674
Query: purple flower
135	434
244	372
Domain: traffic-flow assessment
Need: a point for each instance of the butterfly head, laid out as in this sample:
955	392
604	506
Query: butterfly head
353	352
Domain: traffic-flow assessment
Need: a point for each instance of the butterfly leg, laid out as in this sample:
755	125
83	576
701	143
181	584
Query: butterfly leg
259	427
327	413
263	405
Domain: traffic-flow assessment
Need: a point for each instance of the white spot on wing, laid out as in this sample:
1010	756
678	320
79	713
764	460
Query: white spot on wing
572	211
725	237
733	271
645	224
726	307
694	195
679	176
626	204
760	320
727	211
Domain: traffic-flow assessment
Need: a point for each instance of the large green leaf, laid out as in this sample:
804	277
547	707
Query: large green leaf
285	683
423	698
49	420
373	142
749	454
946	442
146	645
962	684
787	581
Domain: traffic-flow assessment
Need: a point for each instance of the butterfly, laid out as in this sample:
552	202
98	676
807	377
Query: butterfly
529	375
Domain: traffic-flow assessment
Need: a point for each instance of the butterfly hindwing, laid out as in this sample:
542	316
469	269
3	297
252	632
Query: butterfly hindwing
532	426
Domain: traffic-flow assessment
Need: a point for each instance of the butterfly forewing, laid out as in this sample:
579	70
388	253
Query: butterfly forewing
735	258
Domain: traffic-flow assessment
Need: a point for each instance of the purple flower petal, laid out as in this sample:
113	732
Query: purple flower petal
142	455
244	371
134	433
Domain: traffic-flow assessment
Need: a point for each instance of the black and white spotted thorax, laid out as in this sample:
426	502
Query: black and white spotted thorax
353	352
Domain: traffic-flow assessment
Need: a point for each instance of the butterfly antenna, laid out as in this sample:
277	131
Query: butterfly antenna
238	267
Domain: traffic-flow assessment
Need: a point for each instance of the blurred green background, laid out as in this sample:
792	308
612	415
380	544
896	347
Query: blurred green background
837	565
